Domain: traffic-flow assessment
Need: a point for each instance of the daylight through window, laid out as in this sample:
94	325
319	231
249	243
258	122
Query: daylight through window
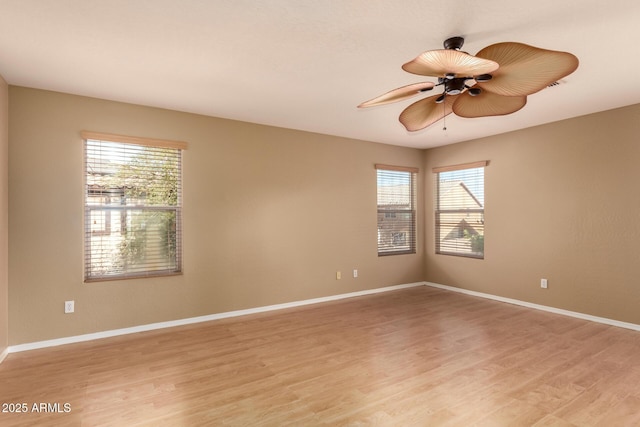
396	210
459	214
133	207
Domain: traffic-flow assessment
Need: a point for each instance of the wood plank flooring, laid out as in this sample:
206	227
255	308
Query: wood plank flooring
415	357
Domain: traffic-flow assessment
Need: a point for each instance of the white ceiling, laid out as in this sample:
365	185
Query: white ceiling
307	64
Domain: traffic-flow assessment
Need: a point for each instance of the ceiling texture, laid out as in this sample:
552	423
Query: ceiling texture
307	64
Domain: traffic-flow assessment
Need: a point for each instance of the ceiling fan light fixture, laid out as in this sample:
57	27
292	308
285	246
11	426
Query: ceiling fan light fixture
483	78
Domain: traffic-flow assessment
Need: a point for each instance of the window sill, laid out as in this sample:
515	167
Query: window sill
132	276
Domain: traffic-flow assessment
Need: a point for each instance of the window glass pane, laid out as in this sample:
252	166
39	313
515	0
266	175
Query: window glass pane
135	174
132	210
460	212
396	212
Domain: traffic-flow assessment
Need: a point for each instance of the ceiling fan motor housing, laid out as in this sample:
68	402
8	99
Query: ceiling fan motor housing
455	86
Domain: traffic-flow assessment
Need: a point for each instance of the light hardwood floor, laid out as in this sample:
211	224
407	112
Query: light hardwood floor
415	357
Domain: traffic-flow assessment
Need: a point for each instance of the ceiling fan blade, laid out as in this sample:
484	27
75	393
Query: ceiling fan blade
437	63
398	94
425	112
525	69
487	104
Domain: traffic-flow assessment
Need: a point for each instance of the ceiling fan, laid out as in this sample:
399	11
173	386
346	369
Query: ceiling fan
494	82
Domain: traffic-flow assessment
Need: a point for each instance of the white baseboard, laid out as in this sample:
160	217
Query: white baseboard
4	354
188	321
575	314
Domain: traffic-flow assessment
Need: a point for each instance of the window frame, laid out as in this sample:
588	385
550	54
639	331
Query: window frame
393	214
111	210
438	211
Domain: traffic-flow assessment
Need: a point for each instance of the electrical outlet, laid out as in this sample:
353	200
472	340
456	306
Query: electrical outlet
543	283
355	273
69	306
338	275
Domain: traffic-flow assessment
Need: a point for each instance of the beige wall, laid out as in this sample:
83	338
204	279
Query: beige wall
562	203
4	216
270	215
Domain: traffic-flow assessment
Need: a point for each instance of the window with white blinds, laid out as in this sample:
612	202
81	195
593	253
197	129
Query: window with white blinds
459	214
133	207
396	210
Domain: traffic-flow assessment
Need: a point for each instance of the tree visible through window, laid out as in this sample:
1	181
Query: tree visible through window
396	210
132	208
459	215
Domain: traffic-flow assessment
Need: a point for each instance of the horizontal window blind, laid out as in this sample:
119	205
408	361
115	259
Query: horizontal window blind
133	214
459	215
396	210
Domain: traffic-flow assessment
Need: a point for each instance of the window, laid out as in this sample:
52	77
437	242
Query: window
396	210
133	207
460	210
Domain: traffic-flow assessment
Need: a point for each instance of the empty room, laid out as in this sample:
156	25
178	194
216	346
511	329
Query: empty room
355	213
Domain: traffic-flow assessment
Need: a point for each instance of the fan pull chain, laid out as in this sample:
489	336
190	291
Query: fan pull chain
444	114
